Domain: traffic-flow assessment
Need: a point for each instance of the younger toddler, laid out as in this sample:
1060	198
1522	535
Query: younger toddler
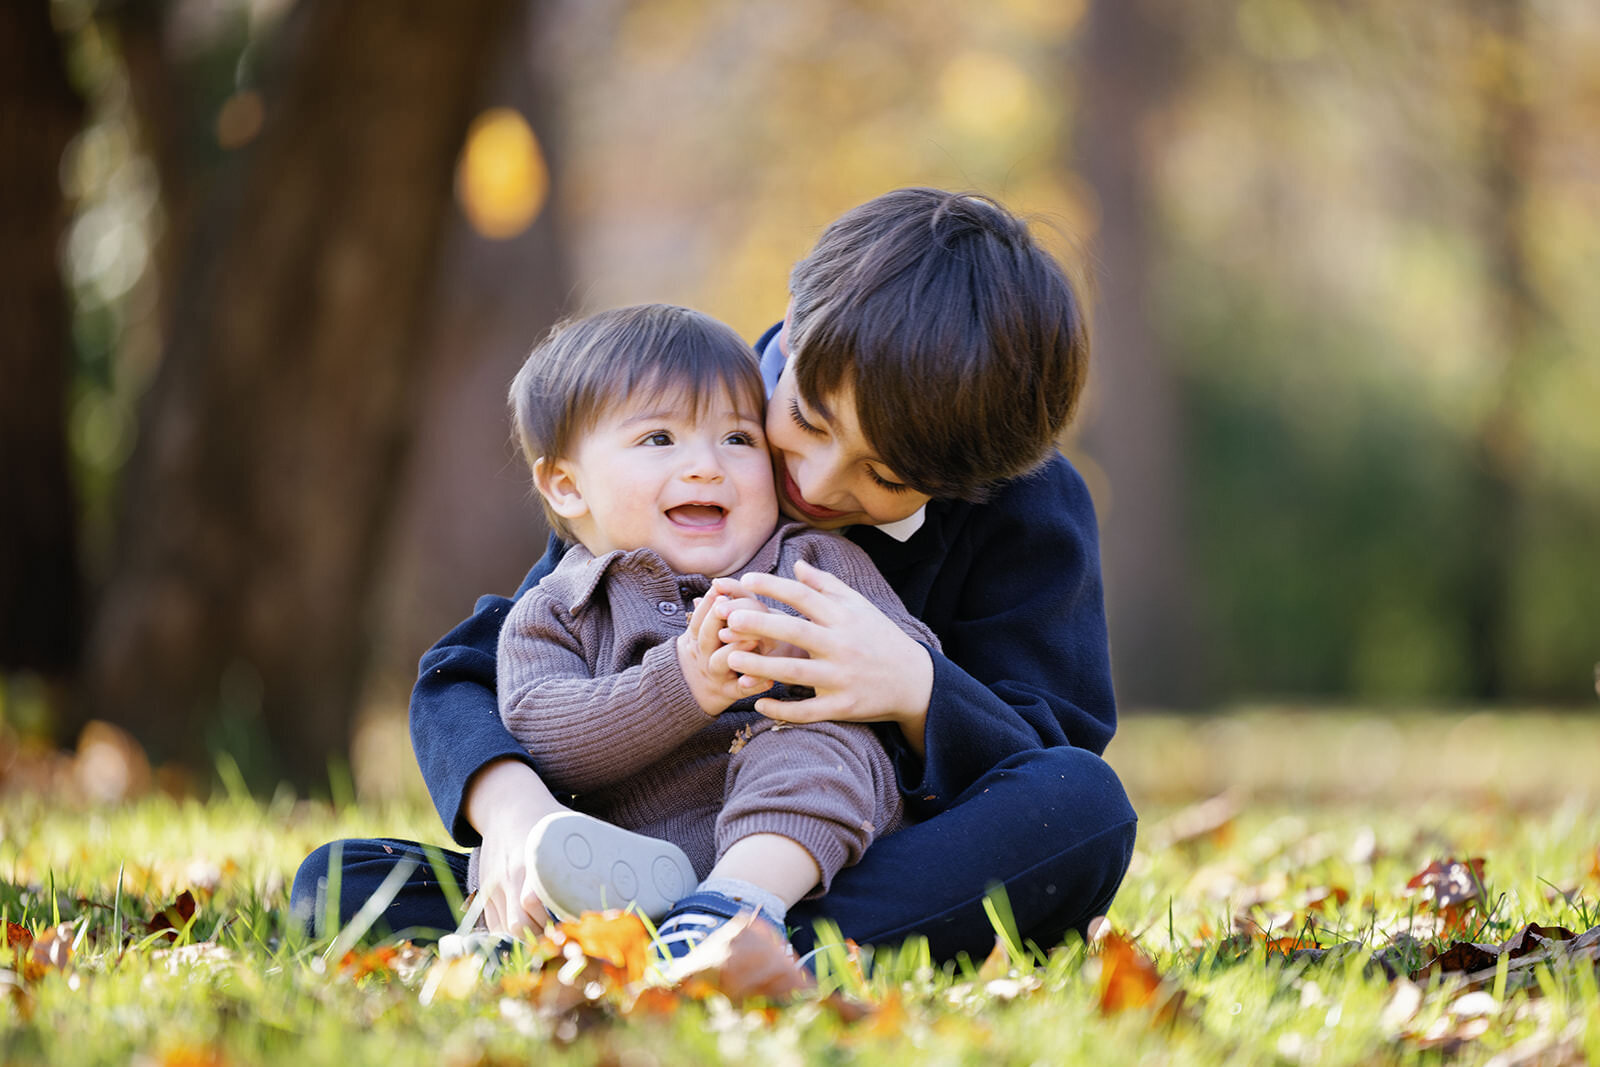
643	429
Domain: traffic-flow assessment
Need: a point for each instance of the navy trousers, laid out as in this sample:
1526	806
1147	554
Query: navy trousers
1052	828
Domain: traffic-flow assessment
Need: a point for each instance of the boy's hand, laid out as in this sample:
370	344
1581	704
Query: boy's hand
862	666
703	657
735	597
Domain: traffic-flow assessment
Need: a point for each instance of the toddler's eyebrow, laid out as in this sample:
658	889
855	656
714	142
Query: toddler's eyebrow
658	416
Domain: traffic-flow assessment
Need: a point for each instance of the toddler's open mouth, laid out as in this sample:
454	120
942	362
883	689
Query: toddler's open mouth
697	514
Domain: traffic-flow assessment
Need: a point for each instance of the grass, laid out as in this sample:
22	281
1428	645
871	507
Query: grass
1322	806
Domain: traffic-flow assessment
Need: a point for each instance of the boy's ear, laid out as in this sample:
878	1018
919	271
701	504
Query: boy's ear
557	482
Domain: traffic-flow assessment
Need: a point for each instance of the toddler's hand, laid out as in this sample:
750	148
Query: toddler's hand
703	657
735	597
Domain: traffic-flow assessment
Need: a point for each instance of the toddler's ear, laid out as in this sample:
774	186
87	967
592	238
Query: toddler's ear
557	482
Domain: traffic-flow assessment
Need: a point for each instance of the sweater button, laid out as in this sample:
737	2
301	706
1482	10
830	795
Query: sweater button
667	607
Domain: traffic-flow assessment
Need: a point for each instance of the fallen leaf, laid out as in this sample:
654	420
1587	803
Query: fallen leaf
744	959
358	964
612	937
1449	883
997	964
51	951
18	936
1317	899
1208	822
452	979
1129	979
174	916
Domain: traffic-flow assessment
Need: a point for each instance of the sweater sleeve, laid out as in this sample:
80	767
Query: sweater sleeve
1025	662
586	731
455	720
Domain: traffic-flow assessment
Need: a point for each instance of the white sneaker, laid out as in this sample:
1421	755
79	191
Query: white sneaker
581	864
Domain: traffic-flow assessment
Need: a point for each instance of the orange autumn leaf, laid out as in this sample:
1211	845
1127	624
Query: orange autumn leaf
1128	979
617	938
1317	899
356	965
193	1056
18	936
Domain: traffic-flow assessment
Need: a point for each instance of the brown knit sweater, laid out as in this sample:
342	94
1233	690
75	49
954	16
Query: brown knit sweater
589	683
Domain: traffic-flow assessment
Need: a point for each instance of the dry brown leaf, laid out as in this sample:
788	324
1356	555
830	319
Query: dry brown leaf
174	916
18	936
1449	883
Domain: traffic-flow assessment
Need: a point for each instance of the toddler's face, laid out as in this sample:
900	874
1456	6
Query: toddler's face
697	488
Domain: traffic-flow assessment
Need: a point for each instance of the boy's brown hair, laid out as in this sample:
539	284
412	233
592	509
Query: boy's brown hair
585	365
961	338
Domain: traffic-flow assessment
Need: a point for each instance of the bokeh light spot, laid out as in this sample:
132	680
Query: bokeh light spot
501	178
240	119
985	94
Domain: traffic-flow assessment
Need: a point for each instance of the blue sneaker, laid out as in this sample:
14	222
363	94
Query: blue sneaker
696	917
581	864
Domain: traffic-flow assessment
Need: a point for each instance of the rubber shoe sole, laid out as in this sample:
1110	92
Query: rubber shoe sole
581	864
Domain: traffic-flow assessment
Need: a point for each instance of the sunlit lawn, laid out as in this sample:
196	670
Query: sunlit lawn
1321	823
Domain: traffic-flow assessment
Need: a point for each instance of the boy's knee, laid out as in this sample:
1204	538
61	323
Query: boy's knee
310	886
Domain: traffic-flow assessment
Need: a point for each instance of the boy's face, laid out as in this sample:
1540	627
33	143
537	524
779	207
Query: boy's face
827	473
696	489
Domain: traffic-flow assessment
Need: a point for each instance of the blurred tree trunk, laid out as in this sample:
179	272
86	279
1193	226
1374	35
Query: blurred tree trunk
1128	73
40	606
1507	151
465	523
254	503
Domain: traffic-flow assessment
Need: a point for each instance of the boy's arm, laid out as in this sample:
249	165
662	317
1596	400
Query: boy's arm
585	731
1026	661
455	719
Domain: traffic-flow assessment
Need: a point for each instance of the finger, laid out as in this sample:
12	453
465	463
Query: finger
768	626
810	602
730	587
813	709
751	685
786	669
704	632
494	916
820	580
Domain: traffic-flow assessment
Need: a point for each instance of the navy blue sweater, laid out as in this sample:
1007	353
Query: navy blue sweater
1011	586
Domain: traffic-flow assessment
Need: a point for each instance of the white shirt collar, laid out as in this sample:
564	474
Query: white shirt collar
902	529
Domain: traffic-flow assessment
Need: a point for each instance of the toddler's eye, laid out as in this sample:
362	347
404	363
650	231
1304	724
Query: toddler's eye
660	437
740	437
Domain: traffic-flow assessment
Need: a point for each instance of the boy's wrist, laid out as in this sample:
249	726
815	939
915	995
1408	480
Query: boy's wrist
914	700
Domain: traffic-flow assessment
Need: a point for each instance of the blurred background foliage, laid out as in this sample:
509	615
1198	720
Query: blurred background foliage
1342	425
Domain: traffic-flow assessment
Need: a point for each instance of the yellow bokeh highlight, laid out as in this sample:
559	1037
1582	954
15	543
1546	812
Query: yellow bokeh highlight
985	94
502	181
